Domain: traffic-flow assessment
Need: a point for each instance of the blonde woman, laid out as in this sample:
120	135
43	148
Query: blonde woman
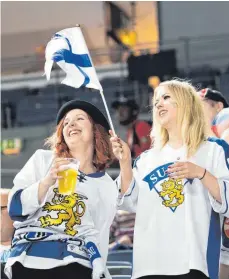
177	189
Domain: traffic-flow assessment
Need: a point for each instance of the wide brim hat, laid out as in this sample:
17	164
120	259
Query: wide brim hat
90	109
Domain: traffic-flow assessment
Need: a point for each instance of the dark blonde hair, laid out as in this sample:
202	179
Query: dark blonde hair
103	154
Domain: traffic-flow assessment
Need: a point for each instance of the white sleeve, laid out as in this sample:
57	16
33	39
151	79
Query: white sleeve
128	200
92	243
23	197
93	248
221	172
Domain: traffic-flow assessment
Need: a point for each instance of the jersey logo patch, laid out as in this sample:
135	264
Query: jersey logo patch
170	190
70	209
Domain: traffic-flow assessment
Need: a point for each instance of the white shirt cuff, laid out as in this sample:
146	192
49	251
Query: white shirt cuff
218	207
128	191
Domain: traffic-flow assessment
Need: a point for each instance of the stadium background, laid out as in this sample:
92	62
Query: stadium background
163	39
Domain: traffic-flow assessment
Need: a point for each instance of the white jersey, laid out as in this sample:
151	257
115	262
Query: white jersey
176	229
58	231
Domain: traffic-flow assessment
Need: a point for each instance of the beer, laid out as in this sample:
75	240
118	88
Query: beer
68	180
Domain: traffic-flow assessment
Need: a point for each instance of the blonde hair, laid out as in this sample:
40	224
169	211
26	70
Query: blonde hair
190	116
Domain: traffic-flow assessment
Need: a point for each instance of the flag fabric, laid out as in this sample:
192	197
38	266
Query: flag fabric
68	49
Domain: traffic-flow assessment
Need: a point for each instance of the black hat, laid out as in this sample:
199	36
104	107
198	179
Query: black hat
213	95
125	101
93	111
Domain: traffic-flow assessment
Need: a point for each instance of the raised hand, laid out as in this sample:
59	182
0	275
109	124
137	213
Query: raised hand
121	149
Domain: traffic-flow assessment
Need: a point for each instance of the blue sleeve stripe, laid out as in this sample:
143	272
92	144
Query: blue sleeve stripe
15	210
213	249
93	251
225	147
225	195
131	190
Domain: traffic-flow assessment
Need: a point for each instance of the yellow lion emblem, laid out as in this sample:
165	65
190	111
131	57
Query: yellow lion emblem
173	190
69	211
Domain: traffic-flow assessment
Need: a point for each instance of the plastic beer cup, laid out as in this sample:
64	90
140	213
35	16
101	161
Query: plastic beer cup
69	175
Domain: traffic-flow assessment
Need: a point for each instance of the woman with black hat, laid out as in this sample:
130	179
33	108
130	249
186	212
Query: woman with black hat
59	235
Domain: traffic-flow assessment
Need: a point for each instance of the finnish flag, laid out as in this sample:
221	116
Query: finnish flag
68	49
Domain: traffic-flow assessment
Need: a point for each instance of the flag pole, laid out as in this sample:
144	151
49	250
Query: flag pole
105	104
109	117
108	113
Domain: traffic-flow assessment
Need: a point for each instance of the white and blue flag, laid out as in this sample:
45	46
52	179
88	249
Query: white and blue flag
68	49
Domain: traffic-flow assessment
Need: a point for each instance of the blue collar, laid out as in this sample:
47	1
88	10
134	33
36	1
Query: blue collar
95	174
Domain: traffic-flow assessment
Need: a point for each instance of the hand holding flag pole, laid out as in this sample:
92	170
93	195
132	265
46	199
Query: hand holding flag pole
68	49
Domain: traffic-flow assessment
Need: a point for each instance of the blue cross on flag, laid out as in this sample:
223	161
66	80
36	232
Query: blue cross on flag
69	50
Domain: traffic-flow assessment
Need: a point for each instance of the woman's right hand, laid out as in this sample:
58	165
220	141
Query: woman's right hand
122	152
120	149
52	176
